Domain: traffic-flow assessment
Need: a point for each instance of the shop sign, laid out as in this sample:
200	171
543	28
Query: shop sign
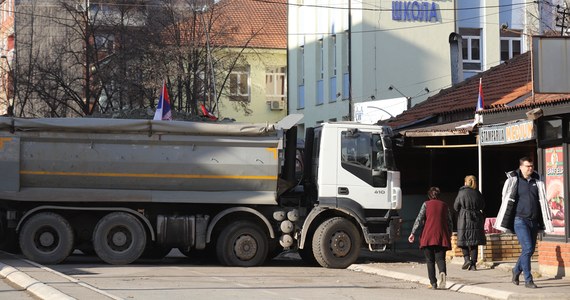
509	133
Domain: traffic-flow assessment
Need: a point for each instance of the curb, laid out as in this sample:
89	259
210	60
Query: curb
453	286
38	289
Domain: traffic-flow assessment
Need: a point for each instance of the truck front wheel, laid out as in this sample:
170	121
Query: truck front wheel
242	244
119	238
46	238
336	243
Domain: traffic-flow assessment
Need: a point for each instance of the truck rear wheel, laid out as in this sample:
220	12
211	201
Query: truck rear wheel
242	244
46	238
336	243
119	238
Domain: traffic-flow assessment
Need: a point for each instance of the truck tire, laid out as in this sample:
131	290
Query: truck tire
46	238
336	243
242	244
119	238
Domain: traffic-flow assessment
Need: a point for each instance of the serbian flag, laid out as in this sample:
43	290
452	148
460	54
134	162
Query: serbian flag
163	111
207	113
480	104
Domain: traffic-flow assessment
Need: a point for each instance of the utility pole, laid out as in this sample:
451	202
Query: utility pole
86	88
350	114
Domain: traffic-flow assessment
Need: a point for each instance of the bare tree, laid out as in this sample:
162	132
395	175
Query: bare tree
75	59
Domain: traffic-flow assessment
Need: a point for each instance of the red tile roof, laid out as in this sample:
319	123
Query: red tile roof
502	85
266	22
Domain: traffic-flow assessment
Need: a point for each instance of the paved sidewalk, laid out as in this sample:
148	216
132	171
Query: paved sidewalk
492	280
45	283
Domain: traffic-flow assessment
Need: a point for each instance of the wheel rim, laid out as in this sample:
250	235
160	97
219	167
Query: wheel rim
119	238
340	244
46	239
245	247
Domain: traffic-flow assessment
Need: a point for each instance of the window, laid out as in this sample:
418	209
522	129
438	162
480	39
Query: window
320	59
320	92
511	44
333	66
301	66
332	55
551	129
239	84
356	149
276	83
104	42
301	97
471	48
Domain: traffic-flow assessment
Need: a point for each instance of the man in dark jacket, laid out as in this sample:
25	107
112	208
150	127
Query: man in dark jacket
524	210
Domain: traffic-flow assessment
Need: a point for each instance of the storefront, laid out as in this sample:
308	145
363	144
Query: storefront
553	142
549	128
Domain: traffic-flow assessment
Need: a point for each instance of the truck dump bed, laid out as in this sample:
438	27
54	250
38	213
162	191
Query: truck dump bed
107	160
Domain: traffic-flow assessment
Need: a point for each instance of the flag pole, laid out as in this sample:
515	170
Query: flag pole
479	121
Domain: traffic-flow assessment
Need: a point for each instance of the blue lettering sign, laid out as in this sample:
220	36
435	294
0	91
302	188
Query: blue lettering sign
414	11
397	10
425	9
433	14
407	12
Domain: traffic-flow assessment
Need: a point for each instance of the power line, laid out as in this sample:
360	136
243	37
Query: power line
295	34
387	9
401	28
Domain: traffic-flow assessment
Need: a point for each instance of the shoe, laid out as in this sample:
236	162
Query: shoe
466	264
472	267
516	275
442	280
433	286
530	285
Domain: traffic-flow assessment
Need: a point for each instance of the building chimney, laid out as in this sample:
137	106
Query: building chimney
455	48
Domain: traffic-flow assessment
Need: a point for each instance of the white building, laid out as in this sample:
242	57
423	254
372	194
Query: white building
342	52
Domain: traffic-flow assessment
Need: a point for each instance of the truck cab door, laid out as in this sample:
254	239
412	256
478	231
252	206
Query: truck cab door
362	174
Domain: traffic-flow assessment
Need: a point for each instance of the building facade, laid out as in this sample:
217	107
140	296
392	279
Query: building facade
78	58
6	55
346	52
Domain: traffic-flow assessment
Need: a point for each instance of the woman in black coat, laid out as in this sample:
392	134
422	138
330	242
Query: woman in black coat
470	232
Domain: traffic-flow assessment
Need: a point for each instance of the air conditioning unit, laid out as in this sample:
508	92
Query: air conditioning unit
277	104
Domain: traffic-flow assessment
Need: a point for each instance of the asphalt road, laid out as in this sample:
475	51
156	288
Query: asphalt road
177	277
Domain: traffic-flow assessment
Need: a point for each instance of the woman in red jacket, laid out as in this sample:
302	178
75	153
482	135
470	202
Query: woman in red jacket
435	238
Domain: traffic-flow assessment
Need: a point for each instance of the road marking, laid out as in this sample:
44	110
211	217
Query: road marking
219	278
270	292
71	279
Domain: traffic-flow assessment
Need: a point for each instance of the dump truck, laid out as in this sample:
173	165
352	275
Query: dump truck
129	189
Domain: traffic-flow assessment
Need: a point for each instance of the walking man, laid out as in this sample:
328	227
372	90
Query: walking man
524	210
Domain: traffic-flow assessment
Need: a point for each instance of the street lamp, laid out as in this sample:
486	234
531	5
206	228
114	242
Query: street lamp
11	100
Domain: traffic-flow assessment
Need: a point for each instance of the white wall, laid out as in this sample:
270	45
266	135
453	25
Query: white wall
410	55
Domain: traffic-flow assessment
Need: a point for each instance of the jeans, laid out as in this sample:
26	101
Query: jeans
435	254
526	231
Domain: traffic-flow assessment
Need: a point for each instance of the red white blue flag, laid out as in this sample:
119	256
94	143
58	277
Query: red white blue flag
206	113
480	104
163	111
